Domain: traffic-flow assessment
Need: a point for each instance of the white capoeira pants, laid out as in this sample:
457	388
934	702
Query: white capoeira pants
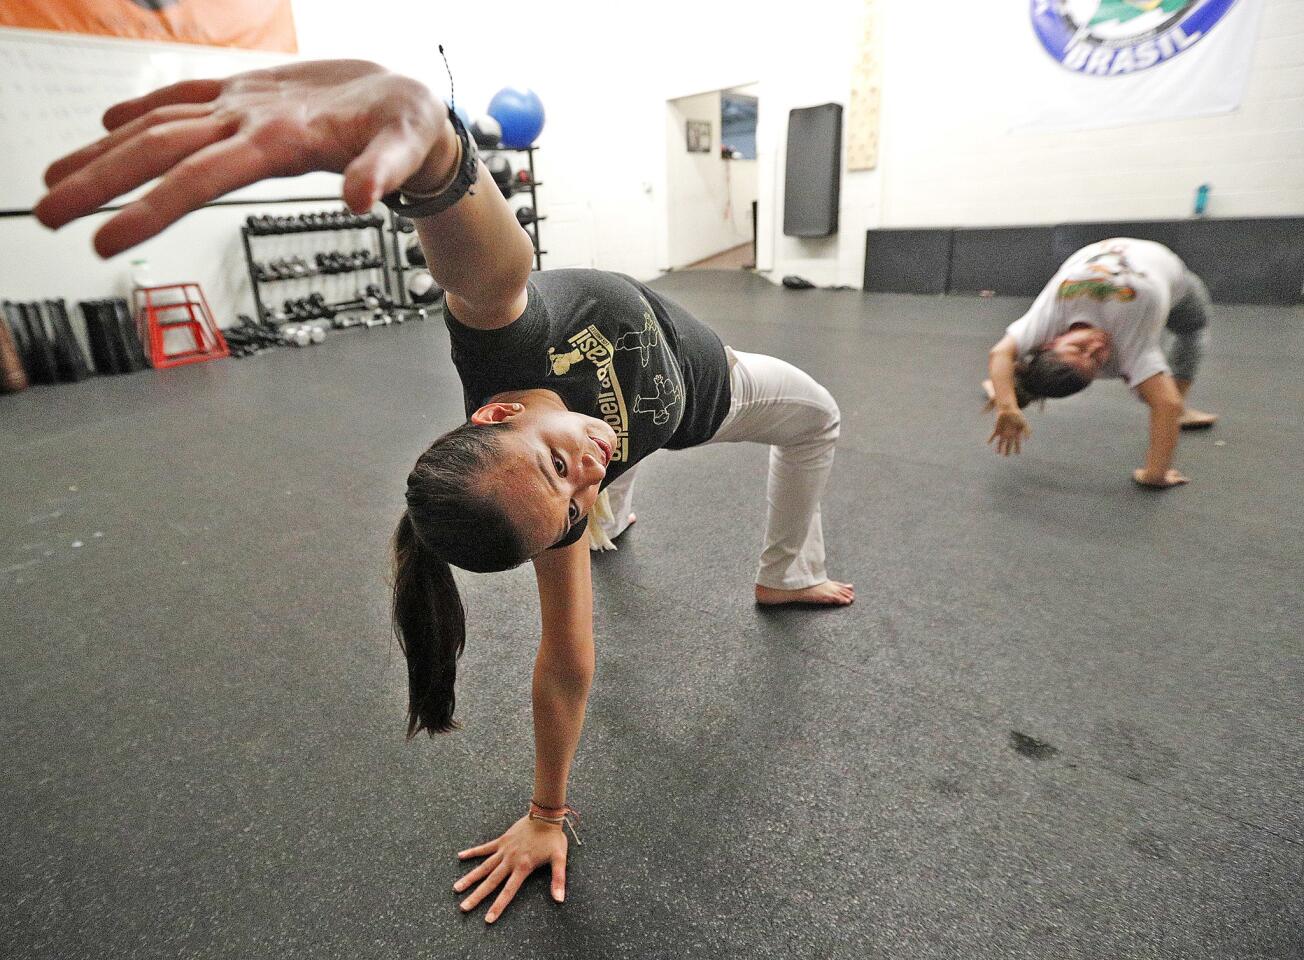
773	403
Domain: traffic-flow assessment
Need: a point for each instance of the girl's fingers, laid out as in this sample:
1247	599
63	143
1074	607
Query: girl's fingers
202	177
187	91
483	870
391	157
70	164
509	890
486	888
479	851
559	877
132	163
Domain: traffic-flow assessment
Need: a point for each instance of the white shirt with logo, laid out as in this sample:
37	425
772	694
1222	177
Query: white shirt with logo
1122	286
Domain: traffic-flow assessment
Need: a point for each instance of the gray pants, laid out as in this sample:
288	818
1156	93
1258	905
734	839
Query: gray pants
1186	334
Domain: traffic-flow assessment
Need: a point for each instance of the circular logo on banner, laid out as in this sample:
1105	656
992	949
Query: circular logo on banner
1110	38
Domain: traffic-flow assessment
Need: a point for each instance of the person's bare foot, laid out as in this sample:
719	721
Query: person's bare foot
830	593
1193	419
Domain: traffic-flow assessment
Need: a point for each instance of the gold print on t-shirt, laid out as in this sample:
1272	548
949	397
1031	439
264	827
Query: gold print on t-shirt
589	344
560	363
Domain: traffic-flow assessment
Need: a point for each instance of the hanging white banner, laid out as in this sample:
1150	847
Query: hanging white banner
1114	62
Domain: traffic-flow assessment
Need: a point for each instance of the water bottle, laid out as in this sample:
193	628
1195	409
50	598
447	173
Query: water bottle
140	274
1201	199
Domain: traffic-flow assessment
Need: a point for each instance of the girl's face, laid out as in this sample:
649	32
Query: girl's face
551	464
1084	347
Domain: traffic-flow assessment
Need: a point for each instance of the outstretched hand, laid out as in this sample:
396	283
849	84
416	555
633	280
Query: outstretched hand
1010	431
527	845
206	138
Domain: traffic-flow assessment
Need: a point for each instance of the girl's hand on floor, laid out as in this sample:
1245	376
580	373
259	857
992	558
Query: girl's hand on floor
1010	432
527	845
1170	478
205	138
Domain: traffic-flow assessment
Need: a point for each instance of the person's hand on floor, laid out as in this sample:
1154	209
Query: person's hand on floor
1010	431
205	138
526	846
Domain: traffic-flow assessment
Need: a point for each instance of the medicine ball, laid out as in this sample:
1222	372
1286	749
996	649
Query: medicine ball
415	255
502	172
422	287
520	113
525	215
487	132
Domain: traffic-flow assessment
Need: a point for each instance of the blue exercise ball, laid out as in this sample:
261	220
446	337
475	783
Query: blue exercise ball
520	113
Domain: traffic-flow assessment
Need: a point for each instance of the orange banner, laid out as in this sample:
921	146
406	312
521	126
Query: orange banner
249	24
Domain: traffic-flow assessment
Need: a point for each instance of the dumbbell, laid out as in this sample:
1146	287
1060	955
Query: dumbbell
296	334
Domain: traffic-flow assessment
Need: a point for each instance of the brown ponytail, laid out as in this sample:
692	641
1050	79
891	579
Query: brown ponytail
430	623
446	521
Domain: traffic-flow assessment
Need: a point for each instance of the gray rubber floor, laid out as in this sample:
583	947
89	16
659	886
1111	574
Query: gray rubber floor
1063	718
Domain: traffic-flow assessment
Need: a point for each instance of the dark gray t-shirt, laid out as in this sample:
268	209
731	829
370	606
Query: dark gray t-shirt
610	348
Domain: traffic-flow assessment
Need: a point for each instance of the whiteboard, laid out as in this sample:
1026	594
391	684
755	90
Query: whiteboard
55	87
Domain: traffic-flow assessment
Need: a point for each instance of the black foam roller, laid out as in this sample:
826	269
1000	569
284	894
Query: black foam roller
58	311
69	363
44	368
101	356
130	339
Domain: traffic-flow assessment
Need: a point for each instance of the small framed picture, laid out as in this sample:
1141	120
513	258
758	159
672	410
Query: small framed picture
699	136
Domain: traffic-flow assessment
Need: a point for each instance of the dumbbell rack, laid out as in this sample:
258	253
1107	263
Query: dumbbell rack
401	266
531	226
256	283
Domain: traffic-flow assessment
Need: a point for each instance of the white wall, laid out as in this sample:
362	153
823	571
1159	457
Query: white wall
708	199
949	156
819	49
741	178
604	82
602	153
83	76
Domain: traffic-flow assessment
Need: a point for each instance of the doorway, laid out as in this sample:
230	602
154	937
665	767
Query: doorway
711	179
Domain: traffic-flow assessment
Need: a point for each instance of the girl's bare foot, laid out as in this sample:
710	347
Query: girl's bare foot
830	593
1192	419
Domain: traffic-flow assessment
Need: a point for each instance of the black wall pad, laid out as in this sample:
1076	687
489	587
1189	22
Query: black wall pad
1071	237
908	261
1257	260
1012	261
813	177
1247	260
